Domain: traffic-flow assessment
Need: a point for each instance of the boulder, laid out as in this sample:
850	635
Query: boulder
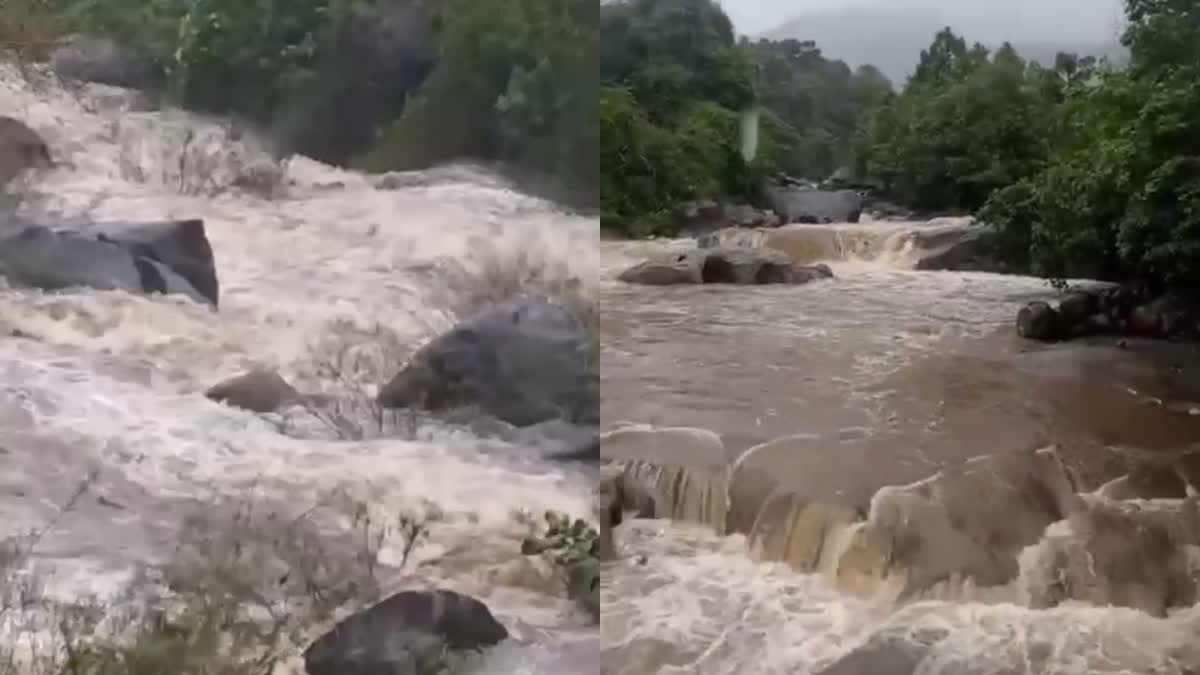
1129	309
407	634
1167	316
100	60
523	361
700	218
1039	321
559	440
1077	308
889	652
955	245
725	265
618	493
808	205
609	510
21	148
1141	555
169	257
260	391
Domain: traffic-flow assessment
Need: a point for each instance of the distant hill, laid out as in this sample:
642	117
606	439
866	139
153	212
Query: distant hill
892	39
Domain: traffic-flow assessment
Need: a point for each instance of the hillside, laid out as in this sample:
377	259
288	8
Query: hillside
892	39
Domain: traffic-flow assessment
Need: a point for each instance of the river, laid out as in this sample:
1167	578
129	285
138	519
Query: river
880	377
111	383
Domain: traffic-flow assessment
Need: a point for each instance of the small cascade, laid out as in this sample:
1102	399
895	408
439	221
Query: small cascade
906	245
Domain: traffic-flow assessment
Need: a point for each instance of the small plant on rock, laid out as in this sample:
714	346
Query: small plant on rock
574	546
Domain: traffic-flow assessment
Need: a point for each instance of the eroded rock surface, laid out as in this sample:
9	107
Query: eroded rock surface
728	265
169	257
524	361
406	634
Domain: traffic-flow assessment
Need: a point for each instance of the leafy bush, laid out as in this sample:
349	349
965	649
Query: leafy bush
221	55
573	545
675	87
516	82
1120	196
240	596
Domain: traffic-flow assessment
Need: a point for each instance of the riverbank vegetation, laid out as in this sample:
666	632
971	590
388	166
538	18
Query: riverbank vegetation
378	84
675	82
1083	167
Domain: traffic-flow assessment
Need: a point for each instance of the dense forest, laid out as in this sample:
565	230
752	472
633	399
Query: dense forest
1085	168
379	84
675	82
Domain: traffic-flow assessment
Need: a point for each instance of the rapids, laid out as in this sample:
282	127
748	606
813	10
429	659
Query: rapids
877	379
313	261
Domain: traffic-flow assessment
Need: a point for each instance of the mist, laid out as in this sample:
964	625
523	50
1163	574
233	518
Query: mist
1069	21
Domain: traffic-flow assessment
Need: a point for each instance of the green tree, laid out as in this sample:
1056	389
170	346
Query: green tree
675	83
517	82
967	124
1120	196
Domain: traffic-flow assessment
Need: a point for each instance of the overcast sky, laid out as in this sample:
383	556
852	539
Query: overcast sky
983	20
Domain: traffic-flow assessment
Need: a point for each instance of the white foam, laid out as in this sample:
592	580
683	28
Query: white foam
698	605
112	381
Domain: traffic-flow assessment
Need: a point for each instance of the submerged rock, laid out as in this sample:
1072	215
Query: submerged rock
1143	555
260	391
728	265
21	148
559	440
523	361
406	634
169	257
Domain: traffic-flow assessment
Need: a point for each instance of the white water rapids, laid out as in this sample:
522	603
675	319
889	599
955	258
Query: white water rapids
111	382
880	351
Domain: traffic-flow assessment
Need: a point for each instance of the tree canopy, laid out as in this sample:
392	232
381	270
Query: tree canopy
675	85
384	84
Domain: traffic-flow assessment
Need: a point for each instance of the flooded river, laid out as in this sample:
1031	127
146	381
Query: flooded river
883	376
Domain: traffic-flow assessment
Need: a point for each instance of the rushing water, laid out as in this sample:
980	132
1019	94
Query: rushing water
110	382
883	374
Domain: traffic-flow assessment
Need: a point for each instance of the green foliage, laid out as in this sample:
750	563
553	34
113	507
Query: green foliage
676	86
968	124
1119	197
815	107
517	81
573	545
245	56
565	540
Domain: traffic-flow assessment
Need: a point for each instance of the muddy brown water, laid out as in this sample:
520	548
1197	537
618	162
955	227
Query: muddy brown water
881	376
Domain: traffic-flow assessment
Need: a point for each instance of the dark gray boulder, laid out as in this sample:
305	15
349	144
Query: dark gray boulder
724	265
889	652
21	148
1039	321
260	391
798	204
100	60
407	634
169	257
523	361
957	245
